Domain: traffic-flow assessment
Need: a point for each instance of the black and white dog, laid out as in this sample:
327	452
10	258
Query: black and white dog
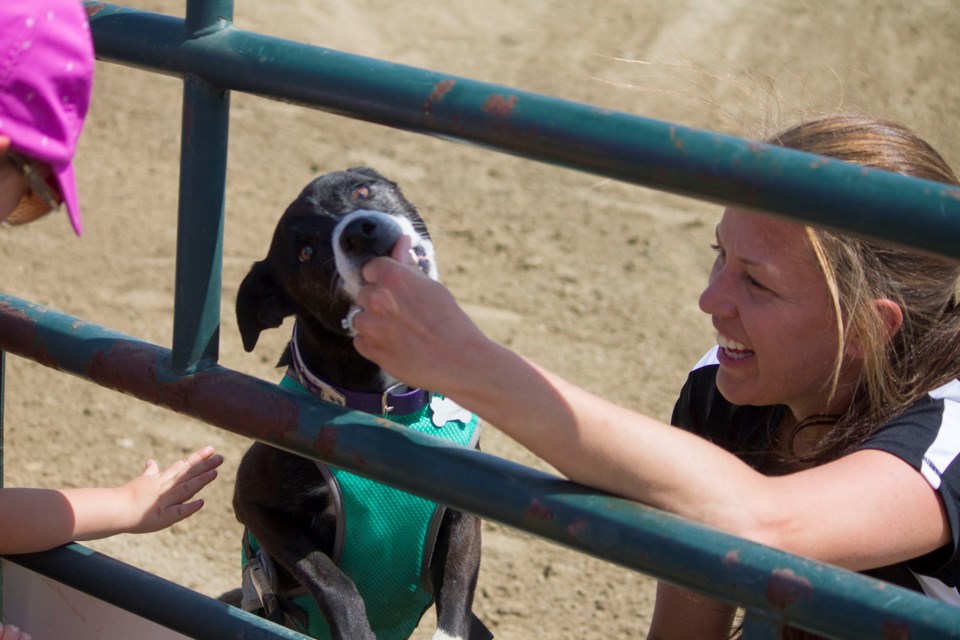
327	552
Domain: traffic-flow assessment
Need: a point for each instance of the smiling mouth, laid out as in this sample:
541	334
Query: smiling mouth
733	349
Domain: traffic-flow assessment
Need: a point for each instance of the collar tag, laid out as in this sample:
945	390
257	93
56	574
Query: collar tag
326	392
446	410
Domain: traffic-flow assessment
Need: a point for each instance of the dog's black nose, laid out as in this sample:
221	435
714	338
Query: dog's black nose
369	235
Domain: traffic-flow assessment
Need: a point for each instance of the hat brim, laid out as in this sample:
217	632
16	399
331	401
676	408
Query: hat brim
68	191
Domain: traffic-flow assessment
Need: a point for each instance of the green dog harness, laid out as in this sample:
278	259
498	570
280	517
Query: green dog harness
385	537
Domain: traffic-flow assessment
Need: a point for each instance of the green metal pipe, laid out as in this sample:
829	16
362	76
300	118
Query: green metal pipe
203	167
760	625
665	156
811	595
148	596
204	16
200	221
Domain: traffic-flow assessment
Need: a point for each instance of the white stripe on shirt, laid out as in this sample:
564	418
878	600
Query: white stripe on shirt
946	446
938	590
710	357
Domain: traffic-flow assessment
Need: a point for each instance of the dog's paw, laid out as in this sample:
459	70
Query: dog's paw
446	410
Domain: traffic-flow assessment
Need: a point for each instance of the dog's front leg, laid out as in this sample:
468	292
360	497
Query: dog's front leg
337	596
456	566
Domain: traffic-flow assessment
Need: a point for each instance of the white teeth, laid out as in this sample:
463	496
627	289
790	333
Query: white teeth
727	343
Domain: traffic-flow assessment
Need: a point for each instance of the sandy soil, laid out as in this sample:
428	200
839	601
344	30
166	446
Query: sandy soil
595	279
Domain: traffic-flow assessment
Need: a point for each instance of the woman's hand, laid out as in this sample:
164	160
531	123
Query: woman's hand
411	325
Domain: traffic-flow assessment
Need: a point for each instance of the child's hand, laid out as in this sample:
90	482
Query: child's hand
10	632
157	500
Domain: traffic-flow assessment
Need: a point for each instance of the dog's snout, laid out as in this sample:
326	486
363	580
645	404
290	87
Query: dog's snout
364	235
369	236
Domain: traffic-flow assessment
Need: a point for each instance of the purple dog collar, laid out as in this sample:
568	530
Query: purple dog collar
382	403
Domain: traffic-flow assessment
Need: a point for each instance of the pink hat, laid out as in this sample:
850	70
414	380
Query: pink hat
46	75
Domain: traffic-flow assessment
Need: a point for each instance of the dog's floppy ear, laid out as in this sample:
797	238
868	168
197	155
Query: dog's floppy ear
261	304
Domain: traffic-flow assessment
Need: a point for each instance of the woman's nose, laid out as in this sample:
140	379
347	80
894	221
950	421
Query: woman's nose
717	298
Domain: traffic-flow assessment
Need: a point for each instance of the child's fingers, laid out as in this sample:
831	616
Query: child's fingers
190	487
200	461
184	511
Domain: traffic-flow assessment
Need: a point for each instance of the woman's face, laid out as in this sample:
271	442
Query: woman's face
774	318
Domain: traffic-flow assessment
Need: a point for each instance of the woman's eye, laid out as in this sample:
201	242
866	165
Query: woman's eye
305	254
754	283
361	193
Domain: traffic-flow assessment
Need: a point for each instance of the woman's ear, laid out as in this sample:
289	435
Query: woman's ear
890	314
891	317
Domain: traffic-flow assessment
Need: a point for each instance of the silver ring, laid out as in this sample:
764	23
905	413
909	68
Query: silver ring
347	322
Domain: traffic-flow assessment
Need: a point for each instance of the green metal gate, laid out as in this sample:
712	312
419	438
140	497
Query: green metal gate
213	58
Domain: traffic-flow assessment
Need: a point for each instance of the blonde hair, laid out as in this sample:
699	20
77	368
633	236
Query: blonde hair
925	352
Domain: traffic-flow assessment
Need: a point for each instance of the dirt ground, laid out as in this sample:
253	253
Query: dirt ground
595	279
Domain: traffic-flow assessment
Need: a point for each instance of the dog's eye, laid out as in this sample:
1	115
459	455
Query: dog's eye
305	254
361	193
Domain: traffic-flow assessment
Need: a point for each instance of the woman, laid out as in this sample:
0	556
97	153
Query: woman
813	425
46	71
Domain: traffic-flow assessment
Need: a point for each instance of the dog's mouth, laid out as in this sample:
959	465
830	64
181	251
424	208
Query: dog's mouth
418	258
364	235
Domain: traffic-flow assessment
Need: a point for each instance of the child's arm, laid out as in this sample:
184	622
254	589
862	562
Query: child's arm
39	519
